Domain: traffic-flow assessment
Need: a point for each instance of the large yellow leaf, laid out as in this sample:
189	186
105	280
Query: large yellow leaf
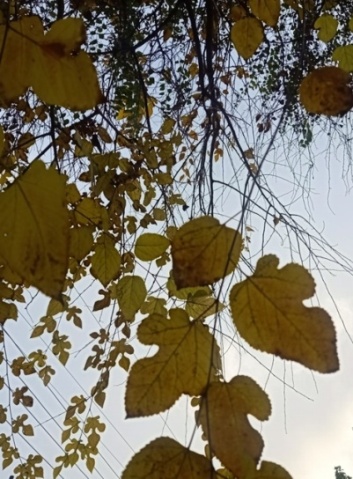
187	351
344	56
266	10
52	64
150	246
247	35
106	260
131	292
327	26
203	252
326	91
223	416
165	458
268	311
34	228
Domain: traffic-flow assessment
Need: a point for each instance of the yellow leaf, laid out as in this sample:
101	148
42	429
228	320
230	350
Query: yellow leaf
60	77
166	458
88	212
266	10
204	251
28	430
81	242
106	260
52	64
326	91
236	13
247	35
327	26
223	416
187	351
131	292
7	311
167	126
17	42
150	246
185	293
268	311
34	228
344	56
202	306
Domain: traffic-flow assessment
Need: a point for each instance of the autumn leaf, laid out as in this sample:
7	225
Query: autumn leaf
166	458
268	311
326	91
81	242
344	56
47	63
327	26
131	292
223	417
150	246
247	34
34	229
204	251
187	351
106	260
266	10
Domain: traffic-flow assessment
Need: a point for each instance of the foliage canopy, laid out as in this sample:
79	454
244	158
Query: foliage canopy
137	146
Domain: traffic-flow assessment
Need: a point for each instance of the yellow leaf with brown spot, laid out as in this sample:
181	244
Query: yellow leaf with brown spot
204	251
187	351
34	228
224	420
266	10
269	313
326	91
327	26
166	458
247	34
